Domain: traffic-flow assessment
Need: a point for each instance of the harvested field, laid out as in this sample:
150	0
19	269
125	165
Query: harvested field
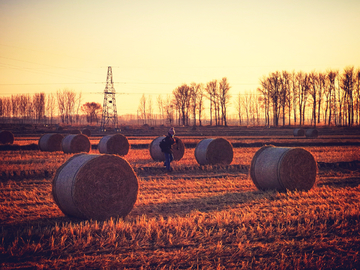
206	217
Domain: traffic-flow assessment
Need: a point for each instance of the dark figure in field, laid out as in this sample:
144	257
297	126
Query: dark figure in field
166	147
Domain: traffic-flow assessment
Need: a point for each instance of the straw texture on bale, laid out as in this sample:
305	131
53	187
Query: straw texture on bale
282	168
311	133
50	142
95	187
6	137
156	154
86	132
75	143
114	144
299	132
214	151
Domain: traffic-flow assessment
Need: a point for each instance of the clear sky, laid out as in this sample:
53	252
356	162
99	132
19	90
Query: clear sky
155	46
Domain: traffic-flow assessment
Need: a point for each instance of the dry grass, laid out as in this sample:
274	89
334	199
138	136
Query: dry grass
189	220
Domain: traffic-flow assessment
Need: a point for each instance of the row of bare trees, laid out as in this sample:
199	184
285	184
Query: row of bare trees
187	104
40	107
331	97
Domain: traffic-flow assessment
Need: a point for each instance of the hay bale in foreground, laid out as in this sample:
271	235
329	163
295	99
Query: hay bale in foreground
156	154
95	187
75	143
114	144
214	151
312	133
86	132
6	137
299	132
283	168
50	142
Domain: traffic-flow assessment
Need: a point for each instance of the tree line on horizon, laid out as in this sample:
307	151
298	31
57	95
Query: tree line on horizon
283	98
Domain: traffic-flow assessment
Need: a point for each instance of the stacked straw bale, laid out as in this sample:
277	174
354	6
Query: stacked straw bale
95	187
6	137
299	132
114	144
312	133
86	132
214	151
156	154
75	143
283	168
50	142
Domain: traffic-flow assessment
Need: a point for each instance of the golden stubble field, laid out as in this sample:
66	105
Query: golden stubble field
196	217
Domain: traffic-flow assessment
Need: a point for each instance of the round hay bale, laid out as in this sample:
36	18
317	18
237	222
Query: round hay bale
95	187
283	168
74	131
311	133
50	142
75	143
6	137
299	132
86	132
114	144
156	154
214	151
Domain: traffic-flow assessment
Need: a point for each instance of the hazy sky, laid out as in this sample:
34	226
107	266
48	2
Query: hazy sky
155	46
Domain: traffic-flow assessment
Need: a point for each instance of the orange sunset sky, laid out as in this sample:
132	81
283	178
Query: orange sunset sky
155	46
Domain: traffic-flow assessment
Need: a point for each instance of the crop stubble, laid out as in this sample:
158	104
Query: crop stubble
187	219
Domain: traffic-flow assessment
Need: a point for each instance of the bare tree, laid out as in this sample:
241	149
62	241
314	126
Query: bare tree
224	96
182	98
239	107
91	110
50	106
211	89
347	82
313	90
39	106
200	101
160	104
142	108
357	98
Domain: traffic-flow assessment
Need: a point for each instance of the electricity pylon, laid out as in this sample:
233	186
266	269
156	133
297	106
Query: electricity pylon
109	114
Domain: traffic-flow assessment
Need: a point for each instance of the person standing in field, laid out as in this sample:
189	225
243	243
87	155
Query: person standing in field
166	147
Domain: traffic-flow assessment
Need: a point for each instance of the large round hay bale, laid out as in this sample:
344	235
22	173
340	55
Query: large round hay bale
75	143
6	137
214	151
156	154
299	132
95	187
114	144
283	168
311	133
86	132
50	142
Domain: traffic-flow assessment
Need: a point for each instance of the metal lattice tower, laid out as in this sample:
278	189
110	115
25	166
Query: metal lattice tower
109	114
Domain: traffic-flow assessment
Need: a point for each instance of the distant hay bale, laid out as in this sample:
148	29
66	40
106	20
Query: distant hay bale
156	154
283	168
75	143
86	132
74	131
214	151
114	144
95	187
50	142
312	133
6	137
299	132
